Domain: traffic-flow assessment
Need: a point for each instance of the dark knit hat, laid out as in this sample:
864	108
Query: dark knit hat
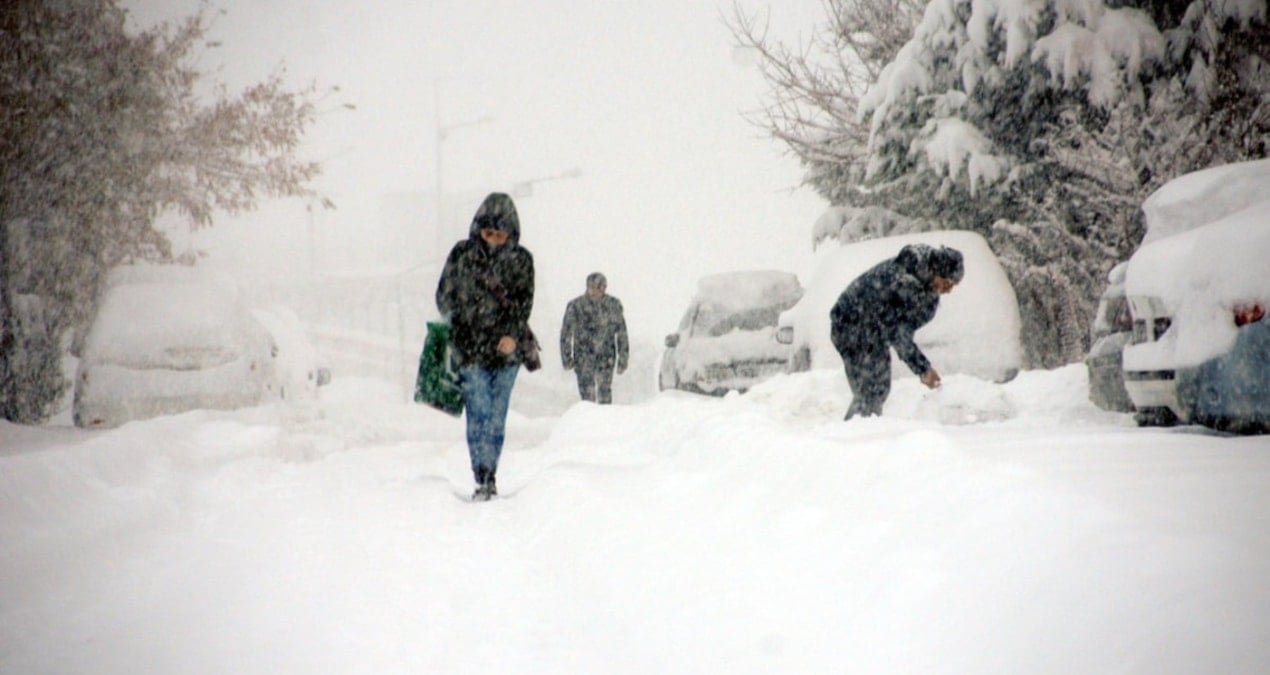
947	263
596	280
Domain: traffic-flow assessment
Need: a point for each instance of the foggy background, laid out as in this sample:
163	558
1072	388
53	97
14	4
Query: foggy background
617	127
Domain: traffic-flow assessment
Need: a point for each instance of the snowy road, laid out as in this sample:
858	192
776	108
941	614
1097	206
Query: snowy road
682	534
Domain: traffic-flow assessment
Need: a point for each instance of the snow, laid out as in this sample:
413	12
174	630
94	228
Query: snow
1203	197
178	318
297	361
754	533
731	292
845	224
1101	54
949	143
1102	51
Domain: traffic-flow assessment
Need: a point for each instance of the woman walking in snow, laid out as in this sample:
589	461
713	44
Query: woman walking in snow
486	292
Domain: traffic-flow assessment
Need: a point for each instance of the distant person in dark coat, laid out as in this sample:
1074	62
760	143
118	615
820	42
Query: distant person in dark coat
593	340
486	293
883	308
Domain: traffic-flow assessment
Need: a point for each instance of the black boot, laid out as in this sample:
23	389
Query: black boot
484	478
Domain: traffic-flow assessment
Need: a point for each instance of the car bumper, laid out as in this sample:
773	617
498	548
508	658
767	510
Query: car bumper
1231	389
718	379
1155	389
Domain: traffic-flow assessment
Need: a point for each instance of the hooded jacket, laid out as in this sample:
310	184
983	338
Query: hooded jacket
887	304
467	293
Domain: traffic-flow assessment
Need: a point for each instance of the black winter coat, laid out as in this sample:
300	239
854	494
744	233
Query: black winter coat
593	334
467	296
885	306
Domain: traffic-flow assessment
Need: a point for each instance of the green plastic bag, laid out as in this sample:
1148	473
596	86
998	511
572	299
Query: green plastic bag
438	382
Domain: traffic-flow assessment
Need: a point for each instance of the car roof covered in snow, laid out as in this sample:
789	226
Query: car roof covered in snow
1226	261
751	288
1189	201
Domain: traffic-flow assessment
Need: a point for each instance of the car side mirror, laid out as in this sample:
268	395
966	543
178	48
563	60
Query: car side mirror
672	340
323	376
785	335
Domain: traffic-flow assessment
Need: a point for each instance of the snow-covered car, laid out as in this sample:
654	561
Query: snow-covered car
1111	333
1198	297
975	331
168	339
726	340
297	369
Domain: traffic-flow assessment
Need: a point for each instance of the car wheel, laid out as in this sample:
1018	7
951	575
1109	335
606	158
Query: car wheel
1155	417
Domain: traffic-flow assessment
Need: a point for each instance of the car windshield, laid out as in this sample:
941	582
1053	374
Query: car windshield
713	320
746	301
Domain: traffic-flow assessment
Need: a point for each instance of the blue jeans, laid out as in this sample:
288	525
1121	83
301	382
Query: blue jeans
486	395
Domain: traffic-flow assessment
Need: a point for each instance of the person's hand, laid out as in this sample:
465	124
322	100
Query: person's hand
930	378
506	345
568	365
621	369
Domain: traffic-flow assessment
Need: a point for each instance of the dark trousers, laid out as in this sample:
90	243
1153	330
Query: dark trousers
868	367
595	383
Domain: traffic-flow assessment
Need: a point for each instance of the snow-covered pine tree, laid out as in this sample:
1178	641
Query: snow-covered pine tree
1059	116
816	87
100	132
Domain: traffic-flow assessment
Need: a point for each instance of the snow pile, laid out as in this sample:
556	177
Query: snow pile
685	534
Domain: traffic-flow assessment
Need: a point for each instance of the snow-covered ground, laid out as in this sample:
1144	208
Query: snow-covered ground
979	528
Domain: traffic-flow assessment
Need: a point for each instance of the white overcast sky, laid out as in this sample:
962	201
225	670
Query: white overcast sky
644	97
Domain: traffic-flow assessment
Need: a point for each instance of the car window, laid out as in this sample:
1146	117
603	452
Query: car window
1113	315
713	320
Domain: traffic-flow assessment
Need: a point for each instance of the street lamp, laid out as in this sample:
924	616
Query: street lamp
525	188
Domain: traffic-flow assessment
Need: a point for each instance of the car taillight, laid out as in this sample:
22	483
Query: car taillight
1246	314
